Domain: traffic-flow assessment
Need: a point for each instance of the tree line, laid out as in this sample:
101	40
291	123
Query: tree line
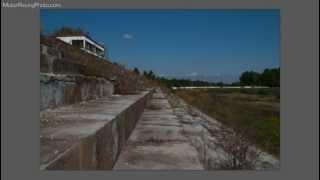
269	78
65	31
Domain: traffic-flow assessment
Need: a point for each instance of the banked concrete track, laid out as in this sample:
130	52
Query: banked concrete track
133	132
176	135
158	142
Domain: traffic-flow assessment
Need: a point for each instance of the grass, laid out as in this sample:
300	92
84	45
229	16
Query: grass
254	112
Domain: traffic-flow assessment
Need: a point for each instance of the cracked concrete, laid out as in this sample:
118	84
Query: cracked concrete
170	135
175	135
88	135
157	142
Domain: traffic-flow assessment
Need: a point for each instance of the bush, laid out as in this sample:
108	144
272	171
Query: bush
240	154
268	132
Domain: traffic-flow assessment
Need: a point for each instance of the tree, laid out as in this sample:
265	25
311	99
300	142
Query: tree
149	74
136	70
220	84
269	77
250	78
236	84
69	31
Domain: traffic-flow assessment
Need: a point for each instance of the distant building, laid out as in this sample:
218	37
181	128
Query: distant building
85	43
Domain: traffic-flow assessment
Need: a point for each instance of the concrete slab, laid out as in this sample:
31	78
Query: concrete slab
88	135
146	133
159	156
158	142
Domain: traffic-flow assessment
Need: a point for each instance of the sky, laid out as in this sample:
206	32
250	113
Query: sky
213	45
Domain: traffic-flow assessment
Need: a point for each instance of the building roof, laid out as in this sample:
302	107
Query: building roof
86	36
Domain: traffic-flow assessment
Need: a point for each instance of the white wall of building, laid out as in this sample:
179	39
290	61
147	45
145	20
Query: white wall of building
69	39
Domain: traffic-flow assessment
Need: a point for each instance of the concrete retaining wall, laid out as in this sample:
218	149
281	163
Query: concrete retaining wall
95	139
60	89
90	134
58	57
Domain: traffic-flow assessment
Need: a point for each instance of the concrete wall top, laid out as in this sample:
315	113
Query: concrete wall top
88	135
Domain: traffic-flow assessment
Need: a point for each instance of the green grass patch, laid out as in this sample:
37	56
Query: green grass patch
253	111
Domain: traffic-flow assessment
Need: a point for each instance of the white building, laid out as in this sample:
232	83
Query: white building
85	43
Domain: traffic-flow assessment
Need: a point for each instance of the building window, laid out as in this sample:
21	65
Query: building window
77	43
89	46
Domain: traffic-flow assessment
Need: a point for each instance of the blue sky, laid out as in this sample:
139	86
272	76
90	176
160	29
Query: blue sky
216	44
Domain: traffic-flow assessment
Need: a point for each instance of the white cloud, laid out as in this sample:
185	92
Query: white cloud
193	74
127	36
